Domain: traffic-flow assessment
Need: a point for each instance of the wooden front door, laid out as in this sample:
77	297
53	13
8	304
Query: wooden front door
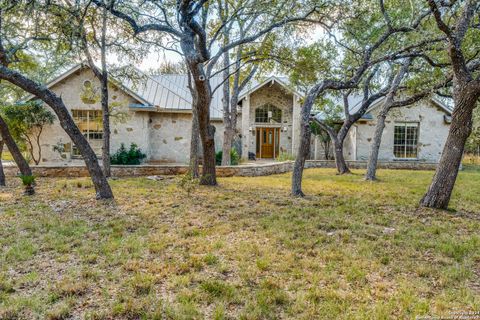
267	142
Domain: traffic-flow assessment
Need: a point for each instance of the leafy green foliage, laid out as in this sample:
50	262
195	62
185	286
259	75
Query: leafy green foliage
132	156
188	183
234	157
312	63
27	180
26	122
23	118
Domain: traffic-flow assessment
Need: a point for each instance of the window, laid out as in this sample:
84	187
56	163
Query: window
268	114
87	84
405	144
90	124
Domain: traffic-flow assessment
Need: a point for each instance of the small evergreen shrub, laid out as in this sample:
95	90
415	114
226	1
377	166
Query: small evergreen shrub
131	156
234	157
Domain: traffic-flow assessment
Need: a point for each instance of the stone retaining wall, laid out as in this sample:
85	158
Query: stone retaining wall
405	165
242	170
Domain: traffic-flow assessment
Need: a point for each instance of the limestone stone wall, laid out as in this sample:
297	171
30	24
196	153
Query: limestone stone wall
228	171
127	126
433	132
279	97
163	137
317	149
400	165
169	136
150	170
350	144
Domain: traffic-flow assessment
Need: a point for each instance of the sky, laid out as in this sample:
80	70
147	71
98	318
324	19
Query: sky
151	60
154	58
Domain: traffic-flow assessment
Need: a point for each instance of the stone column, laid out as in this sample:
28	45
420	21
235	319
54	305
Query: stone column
245	125
295	124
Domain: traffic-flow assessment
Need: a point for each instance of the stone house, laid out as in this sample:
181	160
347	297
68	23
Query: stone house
154	112
413	133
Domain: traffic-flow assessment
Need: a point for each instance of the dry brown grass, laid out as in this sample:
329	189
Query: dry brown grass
349	250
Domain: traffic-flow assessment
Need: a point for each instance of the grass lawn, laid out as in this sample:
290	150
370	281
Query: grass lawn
6	156
247	250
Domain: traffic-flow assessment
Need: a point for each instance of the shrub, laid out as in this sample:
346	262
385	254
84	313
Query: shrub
131	156
234	157
188	183
284	156
27	180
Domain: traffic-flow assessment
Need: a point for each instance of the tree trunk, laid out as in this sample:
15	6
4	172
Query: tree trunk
374	150
299	165
105	106
227	146
106	126
227	112
326	149
39	145
194	146
22	164
102	76
440	190
230	96
466	92
207	131
303	148
340	163
2	173
103	190
30	150
382	115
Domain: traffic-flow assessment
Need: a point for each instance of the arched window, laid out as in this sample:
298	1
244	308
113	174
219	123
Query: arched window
268	114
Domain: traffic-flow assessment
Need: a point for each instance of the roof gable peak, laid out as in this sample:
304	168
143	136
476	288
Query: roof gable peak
269	80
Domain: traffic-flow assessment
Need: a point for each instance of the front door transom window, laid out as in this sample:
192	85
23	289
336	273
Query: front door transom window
268	114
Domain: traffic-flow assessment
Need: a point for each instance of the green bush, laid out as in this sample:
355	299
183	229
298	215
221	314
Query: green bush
284	156
131	156
234	157
27	180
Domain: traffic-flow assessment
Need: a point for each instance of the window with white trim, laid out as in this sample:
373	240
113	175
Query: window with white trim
90	124
405	144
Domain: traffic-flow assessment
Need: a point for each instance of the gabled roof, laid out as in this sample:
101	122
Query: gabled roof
79	67
355	102
254	86
155	93
171	91
439	104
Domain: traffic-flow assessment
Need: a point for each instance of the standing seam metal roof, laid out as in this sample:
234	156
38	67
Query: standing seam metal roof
171	92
